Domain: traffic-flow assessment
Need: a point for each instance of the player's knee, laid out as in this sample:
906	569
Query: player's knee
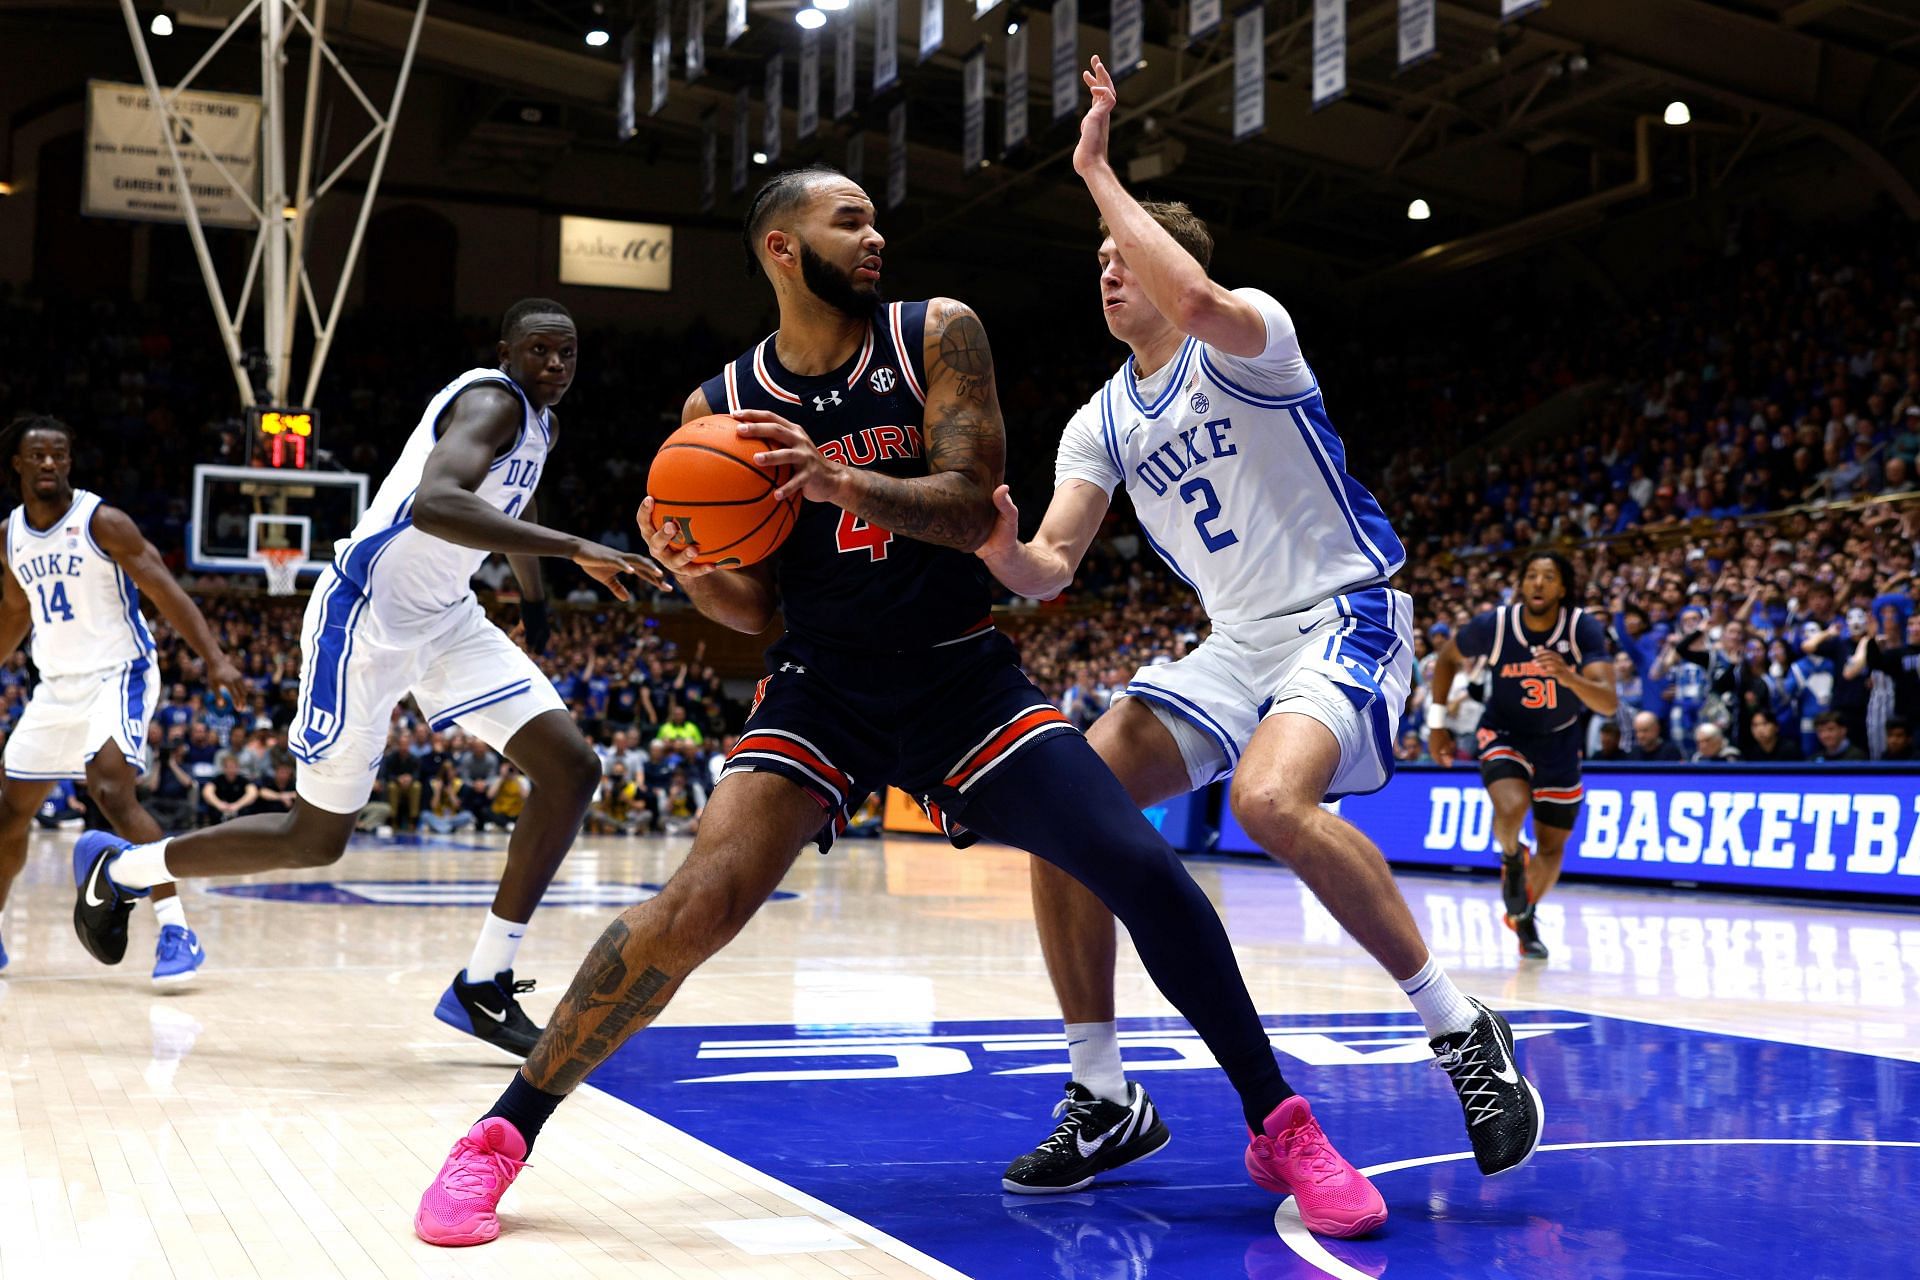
310	842
1273	819
572	770
115	796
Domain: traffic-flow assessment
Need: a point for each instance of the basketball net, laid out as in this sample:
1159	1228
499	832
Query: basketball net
282	566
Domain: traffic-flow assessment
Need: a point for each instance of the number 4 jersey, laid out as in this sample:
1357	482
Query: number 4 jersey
86	610
843	582
1237	477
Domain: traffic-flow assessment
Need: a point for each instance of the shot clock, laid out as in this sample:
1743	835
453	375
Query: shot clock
282	439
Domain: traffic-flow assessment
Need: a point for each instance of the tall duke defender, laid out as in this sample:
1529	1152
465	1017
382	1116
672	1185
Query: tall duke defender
890	673
1548	665
393	615
1218	432
75	568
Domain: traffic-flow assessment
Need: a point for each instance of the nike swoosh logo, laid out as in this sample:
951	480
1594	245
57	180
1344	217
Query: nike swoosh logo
1310	626
497	1017
98	868
1087	1150
1509	1074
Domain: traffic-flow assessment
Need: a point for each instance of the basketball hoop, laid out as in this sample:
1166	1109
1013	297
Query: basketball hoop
282	567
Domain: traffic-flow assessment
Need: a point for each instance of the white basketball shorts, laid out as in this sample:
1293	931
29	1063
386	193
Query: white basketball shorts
469	674
71	719
1347	663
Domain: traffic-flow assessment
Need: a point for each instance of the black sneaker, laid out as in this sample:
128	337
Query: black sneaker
1527	929
101	907
1513	881
1504	1113
489	1011
1095	1136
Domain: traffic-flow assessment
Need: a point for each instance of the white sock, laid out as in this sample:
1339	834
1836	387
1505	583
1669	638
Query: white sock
1438	1002
1094	1050
494	950
142	867
169	911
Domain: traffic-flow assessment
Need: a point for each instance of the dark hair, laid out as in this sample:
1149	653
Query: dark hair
1180	222
1828	717
16	431
1569	580
1900	723
779	195
526	309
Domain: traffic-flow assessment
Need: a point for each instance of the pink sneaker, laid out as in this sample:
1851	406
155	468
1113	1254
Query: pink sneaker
1293	1157
459	1208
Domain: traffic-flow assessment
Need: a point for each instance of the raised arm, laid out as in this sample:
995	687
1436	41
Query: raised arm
118	536
950	506
1044	567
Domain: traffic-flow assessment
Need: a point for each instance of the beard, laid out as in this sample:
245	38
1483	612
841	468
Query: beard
835	287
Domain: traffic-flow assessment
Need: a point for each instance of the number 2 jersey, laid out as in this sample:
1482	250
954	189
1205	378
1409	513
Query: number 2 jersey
86	610
1237	477
843	582
1521	697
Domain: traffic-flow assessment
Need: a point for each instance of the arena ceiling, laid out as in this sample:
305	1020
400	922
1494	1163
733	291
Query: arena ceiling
1515	133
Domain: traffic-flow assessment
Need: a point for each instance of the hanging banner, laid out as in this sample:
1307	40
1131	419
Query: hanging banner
897	156
855	166
709	161
662	54
696	39
1125	37
886	44
1015	135
808	108
1249	72
770	129
736	19
1066	58
1510	9
1416	32
616	255
1203	19
742	107
973	110
626	97
843	60
933	27
1329	51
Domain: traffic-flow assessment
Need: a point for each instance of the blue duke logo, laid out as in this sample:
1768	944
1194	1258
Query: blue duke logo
1200	402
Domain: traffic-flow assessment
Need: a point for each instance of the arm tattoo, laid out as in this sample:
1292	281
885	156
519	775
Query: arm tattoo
966	444
603	1007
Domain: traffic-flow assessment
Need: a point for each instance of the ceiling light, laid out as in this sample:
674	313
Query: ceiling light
759	157
811	19
6	188
162	25
1013	28
1677	114
597	37
289	212
1418	211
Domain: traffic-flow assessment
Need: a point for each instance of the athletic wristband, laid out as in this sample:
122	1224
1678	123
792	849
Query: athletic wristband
537	631
1436	715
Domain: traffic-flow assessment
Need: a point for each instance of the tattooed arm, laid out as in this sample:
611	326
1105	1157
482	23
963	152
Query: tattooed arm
950	506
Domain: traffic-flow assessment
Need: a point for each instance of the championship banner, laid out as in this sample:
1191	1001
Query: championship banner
897	155
1126	39
1203	18
808	108
662	54
1015	135
130	174
742	106
1416	32
1066	58
933	27
844	34
1510	9
1249	72
709	161
625	122
973	110
886	44
696	39
770	124
1329	52
855	166
736	19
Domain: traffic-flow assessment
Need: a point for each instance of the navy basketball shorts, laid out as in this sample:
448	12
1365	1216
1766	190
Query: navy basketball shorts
843	725
1548	763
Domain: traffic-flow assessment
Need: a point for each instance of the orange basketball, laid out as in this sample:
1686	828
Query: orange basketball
705	478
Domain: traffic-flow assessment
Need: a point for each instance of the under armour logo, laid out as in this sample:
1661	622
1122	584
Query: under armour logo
794	667
830	400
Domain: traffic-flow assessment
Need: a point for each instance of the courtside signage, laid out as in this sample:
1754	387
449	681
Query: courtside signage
616	255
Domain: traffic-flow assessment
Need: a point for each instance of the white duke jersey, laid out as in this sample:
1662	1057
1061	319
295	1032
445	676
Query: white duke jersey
412	581
86	610
1236	475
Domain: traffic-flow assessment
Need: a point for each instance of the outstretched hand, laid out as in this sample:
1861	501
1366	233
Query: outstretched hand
1090	155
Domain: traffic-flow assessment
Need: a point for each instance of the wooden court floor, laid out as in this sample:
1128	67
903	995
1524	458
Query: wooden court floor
281	1116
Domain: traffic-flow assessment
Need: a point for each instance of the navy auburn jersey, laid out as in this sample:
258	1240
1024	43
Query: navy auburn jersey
842	581
1521	696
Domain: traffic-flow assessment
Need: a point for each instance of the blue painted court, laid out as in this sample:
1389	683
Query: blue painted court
1670	1153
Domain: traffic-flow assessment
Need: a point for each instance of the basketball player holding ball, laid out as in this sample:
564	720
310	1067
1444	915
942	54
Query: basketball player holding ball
886	421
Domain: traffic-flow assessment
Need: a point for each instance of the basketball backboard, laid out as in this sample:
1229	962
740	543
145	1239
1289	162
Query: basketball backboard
239	511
